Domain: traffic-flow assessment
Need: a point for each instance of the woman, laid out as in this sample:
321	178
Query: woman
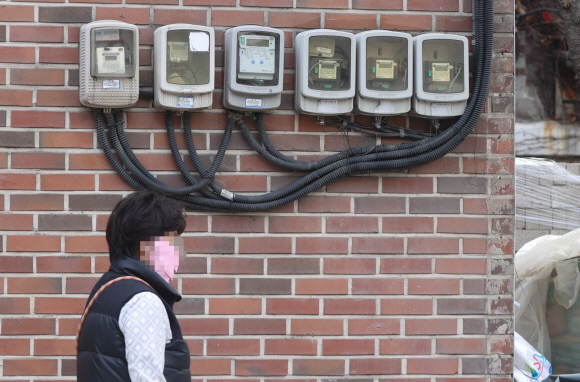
130	332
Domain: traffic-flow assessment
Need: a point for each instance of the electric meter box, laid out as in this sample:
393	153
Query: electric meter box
109	64
385	72
325	72
254	68
441	75
183	66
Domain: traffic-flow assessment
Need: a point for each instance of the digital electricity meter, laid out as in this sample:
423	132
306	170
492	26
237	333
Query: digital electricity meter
109	64
385	72
325	72
441	75
183	66
254	68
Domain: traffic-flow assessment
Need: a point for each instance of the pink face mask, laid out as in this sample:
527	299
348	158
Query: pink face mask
163	257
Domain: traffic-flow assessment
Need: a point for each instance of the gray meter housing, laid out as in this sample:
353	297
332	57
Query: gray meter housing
184	67
109	64
325	72
254	68
441	75
385	72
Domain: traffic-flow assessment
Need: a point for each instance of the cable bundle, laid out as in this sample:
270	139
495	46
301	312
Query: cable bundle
206	195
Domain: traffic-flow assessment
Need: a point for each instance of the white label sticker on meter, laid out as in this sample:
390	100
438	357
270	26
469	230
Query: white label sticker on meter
327	106
442	72
185	101
253	102
385	69
111	84
111	60
198	42
440	109
323	49
107	35
178	51
385	106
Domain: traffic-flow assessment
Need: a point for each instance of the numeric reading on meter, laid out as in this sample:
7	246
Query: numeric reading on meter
442	72
385	69
257	57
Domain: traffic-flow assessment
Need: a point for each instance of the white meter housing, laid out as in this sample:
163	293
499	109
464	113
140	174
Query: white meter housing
325	72
254	68
109	64
385	72
441	75
184	67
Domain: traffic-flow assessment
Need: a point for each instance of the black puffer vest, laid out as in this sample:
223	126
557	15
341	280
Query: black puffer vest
101	353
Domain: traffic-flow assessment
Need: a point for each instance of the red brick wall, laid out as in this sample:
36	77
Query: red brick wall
397	276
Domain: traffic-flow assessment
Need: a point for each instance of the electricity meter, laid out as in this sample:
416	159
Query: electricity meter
325	72
184	67
385	72
254	68
441	75
109	64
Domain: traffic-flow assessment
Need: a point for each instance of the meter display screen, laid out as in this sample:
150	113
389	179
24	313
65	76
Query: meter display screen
387	59
329	63
258	58
113	52
443	66
188	58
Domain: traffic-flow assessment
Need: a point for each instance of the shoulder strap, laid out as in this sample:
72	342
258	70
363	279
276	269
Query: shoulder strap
101	289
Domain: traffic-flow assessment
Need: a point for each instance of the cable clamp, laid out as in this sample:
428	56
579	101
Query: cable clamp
227	194
343	125
235	115
401	133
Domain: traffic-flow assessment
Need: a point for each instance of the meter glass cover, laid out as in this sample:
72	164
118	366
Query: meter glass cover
258	58
113	52
387	63
187	57
329	62
443	66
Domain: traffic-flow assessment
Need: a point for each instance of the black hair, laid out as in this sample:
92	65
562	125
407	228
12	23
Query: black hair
138	217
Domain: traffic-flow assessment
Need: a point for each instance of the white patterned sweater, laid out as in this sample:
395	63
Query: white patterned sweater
145	325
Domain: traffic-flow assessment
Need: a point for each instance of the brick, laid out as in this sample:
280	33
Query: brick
318	366
67	264
266	3
128	15
59	305
54	347
16	13
32	118
420	245
408	185
373	327
2	34
16	264
378	4
16	222
349	266
321	3
49	161
16	138
406	22
234	18
264	326
462	225
461	346
461	306
372	366
265	245
436	5
349	306
235	306
33	33
377	245
379	205
57	98
352	225
237	266
37	77
201	244
430	326
382	286
432	366
354	185
37	202
86	244
290	347
320	327
65	223
237	224
174	16
17	55
68	14
231	346
18	367
461	266
293	20
28	326
332	204
210	366
442	166
408	225
434	205
265	286
54	139
36	243
317	245
350	21
404	346
12	97
291	266
67	182
270	367
408	306
433	286
295	224
93	202
295	142
348	347
208	286
321	286
34	285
